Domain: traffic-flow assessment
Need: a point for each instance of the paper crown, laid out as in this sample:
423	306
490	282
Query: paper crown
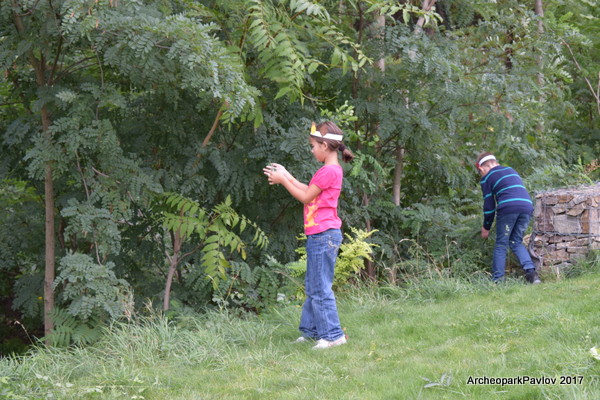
316	133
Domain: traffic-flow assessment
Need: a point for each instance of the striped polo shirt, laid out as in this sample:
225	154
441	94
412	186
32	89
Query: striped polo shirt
503	193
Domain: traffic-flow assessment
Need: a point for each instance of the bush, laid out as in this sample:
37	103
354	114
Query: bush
254	289
350	262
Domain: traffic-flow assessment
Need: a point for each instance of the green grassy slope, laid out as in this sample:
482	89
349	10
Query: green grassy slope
398	349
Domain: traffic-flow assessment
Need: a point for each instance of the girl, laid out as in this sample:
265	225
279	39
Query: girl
319	320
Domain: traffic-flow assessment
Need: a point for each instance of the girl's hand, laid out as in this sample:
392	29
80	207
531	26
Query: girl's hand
276	177
274	174
280	168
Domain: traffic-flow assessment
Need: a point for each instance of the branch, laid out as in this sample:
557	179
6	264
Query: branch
66	70
243	38
30	12
102	174
55	64
595	94
10	104
85	186
117	181
214	125
101	80
189	253
87	194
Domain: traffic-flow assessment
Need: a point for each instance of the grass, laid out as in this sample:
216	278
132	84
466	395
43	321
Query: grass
421	342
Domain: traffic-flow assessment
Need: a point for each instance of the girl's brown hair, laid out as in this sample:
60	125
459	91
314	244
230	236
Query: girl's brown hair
333	145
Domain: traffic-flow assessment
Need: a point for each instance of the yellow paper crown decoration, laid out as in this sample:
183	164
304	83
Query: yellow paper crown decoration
316	133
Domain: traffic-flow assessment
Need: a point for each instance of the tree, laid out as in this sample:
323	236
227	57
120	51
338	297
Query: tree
68	63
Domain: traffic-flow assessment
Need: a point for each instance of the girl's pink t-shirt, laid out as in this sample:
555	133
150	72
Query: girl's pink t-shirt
321	213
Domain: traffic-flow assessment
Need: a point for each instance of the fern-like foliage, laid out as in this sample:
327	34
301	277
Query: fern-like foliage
353	253
214	231
91	289
27	294
391	8
350	261
68	329
280	34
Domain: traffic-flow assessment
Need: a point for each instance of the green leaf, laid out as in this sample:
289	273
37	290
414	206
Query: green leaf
312	67
283	91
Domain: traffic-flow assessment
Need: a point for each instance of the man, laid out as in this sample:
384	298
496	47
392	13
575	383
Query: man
505	196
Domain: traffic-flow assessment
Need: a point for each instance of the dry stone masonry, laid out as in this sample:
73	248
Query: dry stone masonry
566	225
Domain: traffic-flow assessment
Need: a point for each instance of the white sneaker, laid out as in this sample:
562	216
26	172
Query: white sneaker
325	344
303	339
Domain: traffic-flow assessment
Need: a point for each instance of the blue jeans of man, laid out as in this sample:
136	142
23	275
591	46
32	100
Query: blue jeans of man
320	318
509	234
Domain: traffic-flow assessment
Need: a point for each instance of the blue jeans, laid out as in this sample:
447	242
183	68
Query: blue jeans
509	234
319	318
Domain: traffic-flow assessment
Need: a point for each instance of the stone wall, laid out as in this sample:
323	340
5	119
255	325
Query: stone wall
566	225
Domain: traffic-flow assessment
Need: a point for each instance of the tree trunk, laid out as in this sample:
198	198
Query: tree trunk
398	174
173	262
539	11
379	26
369	265
356	77
425	6
39	66
49	272
399	167
50	258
